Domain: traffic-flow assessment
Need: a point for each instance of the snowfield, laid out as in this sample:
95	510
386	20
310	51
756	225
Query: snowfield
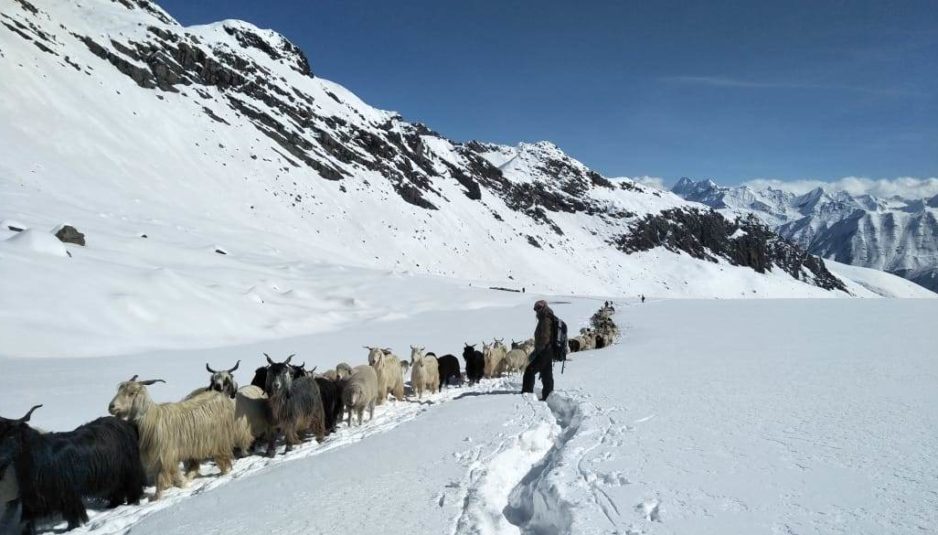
238	205
710	416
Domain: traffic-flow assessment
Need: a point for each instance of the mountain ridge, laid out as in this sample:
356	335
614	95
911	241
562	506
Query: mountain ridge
115	109
897	234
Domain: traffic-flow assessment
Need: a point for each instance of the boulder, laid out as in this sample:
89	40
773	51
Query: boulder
70	234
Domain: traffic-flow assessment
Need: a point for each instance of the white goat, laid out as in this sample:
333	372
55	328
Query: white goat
390	374
424	372
190	430
360	392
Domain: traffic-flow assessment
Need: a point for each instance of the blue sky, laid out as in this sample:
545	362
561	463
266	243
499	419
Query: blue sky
730	90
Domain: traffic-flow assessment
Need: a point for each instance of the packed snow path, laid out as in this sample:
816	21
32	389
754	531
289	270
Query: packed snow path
808	417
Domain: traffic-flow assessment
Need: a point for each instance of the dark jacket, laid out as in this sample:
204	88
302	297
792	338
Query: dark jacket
544	331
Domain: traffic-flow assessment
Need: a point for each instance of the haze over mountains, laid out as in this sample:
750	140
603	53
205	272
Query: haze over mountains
897	234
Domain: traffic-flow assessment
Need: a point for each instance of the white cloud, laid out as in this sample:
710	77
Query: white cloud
905	187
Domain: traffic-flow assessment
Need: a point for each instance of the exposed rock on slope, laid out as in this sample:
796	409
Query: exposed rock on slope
227	123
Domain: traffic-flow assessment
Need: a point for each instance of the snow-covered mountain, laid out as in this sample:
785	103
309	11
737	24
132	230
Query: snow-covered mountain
898	235
210	170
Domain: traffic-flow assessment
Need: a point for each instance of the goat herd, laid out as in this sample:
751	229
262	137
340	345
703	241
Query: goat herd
111	459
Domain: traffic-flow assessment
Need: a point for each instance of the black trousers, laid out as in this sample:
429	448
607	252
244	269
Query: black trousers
543	364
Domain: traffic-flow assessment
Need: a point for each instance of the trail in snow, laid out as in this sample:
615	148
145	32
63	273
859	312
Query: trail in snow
387	417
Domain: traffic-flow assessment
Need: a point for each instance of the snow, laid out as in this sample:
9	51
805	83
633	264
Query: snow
809	416
861	280
34	241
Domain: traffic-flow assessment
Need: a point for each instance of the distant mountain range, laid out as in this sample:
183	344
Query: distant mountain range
895	234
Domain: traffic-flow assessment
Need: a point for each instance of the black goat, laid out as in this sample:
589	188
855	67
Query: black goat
574	345
449	368
475	363
260	374
54	471
331	393
295	405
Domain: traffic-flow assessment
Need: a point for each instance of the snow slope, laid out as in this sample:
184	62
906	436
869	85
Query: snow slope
810	417
125	124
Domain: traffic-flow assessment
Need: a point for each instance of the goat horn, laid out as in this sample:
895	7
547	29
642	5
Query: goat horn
313	370
25	419
134	378
210	370
149	382
235	366
269	360
288	358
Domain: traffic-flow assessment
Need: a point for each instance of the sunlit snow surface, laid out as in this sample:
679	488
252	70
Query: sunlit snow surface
740	416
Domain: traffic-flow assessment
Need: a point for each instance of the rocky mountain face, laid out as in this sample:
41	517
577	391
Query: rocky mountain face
896	234
172	115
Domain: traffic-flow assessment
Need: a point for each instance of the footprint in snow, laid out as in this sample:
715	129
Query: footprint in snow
650	510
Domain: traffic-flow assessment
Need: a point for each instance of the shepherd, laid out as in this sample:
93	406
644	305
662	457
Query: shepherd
541	360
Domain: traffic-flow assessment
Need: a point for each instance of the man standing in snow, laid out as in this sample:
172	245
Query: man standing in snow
542	359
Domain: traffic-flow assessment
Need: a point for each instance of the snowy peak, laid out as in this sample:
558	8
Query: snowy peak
897	235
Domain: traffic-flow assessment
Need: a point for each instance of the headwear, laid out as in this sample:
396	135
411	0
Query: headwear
539	305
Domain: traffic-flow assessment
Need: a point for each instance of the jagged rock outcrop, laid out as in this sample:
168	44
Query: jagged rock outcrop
708	235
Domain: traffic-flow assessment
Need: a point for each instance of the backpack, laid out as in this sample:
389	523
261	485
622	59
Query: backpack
560	339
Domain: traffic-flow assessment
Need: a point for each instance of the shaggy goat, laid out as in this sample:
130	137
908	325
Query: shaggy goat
190	430
390	374
295	405
475	363
330	375
515	361
11	508
360	392
449	369
343	370
573	344
252	417
425	372
260	374
331	393
493	360
54	471
220	381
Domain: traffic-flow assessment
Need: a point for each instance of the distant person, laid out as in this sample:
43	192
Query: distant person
542	359
643	298
522	289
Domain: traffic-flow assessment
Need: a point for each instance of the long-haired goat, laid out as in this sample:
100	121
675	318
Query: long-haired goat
11	507
360	392
54	471
424	372
515	361
220	381
331	392
190	430
343	370
493	360
475	363
295	405
449	369
390	374
260	374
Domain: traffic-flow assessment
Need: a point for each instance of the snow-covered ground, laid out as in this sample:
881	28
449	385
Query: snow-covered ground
710	416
